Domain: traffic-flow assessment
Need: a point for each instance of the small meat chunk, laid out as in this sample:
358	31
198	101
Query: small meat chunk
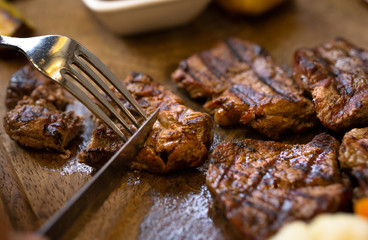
336	75
38	124
180	138
246	86
29	81
353	158
22	83
37	118
261	185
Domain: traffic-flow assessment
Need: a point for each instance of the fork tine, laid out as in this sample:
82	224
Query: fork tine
92	90
96	79
94	61
87	101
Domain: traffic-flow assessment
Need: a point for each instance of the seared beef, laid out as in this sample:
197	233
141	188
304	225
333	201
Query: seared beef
336	75
39	120
52	93
180	137
261	185
247	87
38	124
22	83
354	159
29	81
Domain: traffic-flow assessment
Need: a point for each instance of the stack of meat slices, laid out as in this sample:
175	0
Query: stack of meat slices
180	137
260	185
247	87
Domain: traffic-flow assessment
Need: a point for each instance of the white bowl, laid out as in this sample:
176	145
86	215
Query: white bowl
136	16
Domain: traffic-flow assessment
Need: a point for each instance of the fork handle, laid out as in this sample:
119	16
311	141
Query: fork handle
9	42
4	42
13	43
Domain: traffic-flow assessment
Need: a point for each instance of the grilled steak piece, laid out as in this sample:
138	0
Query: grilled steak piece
37	118
52	93
38	124
260	185
336	74
247	87
180	137
24	83
353	158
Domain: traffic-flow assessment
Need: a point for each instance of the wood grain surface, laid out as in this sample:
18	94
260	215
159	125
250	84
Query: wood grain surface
35	185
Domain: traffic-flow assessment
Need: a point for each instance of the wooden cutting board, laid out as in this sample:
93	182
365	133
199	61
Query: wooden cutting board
146	206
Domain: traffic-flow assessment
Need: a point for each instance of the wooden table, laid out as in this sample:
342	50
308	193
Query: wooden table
148	206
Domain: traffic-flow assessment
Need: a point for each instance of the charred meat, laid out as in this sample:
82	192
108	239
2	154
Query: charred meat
260	185
353	158
180	138
38	124
22	83
37	118
335	74
246	86
29	81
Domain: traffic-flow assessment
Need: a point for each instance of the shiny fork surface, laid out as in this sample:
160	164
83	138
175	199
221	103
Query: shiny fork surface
66	61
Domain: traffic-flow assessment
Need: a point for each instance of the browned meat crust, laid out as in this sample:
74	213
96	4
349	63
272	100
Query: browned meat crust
180	137
248	87
262	185
38	124
336	75
353	158
26	80
22	83
38	119
52	93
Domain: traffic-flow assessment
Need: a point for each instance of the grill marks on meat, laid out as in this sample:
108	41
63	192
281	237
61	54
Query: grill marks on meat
38	119
180	138
336	75
353	158
262	185
38	124
248	87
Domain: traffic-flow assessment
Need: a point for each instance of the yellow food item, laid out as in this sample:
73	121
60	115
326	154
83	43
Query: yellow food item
361	207
340	226
250	7
12	23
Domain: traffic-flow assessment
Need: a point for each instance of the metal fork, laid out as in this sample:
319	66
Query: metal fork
67	62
